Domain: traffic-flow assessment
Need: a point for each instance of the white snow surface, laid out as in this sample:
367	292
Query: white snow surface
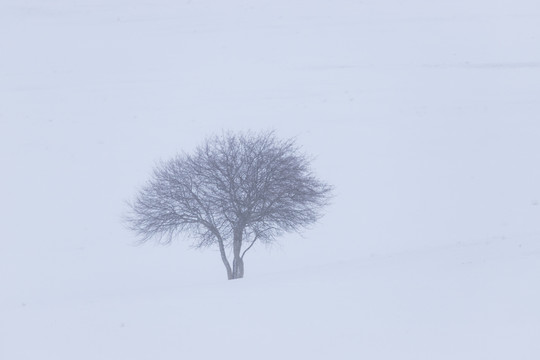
424	115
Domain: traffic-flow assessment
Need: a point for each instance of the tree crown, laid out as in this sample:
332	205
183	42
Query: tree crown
249	185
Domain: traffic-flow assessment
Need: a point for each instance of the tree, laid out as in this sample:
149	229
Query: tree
234	190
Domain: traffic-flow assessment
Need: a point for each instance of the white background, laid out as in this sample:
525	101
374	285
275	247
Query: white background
425	116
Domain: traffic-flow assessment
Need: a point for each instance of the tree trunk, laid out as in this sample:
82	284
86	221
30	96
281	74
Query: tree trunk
238	262
224	259
238	268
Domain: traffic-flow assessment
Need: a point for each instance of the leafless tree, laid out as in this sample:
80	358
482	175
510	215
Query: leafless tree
233	191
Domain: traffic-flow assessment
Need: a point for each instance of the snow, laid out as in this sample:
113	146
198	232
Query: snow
425	117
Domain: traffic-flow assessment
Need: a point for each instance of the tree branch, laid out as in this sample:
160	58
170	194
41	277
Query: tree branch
249	247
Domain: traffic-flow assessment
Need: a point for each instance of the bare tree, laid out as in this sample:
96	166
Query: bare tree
234	190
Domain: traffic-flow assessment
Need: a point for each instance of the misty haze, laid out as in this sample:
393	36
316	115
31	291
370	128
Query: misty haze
404	223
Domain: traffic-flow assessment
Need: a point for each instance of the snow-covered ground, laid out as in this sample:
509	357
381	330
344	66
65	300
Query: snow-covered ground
424	115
